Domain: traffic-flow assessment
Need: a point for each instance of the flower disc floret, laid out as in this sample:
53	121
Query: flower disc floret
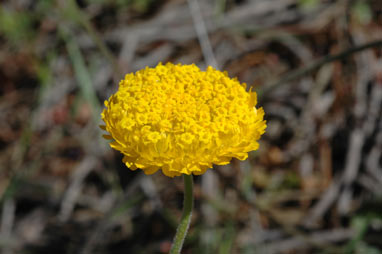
182	120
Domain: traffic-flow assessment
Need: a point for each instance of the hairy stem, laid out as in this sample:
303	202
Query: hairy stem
184	224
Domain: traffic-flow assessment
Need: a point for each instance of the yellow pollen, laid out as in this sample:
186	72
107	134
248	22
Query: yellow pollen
182	120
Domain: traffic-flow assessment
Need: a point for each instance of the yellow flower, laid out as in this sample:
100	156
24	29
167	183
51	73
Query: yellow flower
182	120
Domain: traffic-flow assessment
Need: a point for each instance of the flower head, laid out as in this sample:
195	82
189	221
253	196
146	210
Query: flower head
182	120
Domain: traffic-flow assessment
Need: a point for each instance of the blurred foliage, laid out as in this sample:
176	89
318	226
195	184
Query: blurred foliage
49	44
17	27
309	4
362	12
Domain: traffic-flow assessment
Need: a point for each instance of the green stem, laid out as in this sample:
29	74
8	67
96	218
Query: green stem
184	224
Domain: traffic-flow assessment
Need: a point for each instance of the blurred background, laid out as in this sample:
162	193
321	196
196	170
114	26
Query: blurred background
314	186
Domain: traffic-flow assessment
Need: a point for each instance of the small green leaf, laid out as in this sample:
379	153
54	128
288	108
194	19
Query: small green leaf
308	4
362	12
